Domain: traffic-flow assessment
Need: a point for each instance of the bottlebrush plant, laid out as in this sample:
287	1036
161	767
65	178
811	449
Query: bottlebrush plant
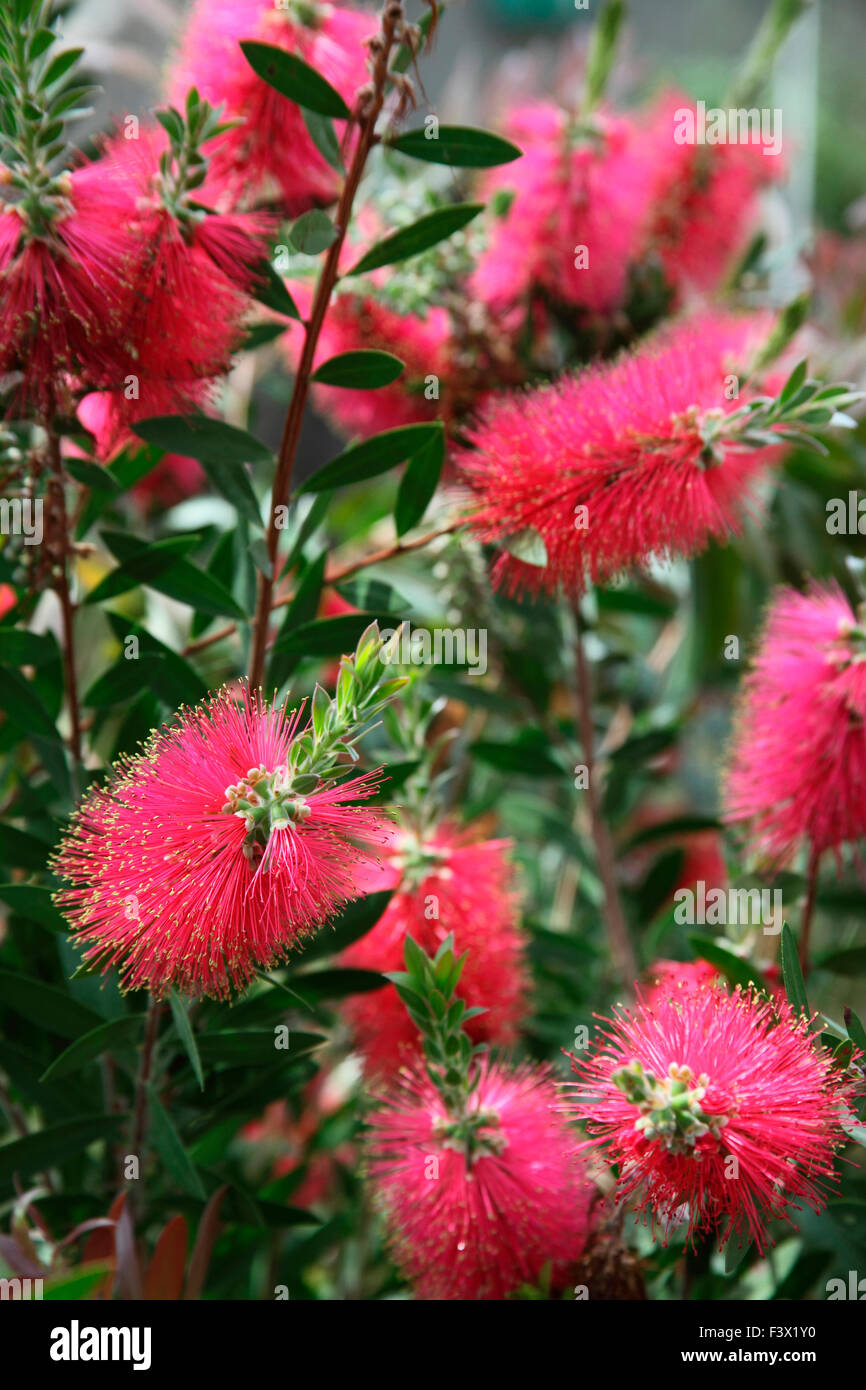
414	548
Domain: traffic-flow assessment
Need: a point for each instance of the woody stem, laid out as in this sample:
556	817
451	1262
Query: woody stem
617	931
392	23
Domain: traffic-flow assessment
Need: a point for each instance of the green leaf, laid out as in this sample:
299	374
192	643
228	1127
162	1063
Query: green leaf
91	475
22	851
418	484
528	546
313	233
792	975
337	983
23	706
301	610
186	1035
324	137
244	1047
21	648
735	970
203	438
330	636
118	1032
293	78
177	577
350	925
521	758
271	291
461	146
856	1031
851	962
359	371
372	456
409	241
171	676
46	1006
49	1147
31	900
168	1145
60	65
72	1288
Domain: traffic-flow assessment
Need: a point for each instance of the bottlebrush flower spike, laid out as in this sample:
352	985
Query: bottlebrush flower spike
620	464
798	758
191	279
269	149
64	285
579	201
206	856
446	884
479	1228
671	979
720	1109
704	198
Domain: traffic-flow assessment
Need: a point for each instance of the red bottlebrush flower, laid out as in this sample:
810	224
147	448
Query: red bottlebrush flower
671	979
64	291
798	759
270	149
704	199
190	868
459	887
576	219
610	466
192	279
8	599
479	1230
720	1109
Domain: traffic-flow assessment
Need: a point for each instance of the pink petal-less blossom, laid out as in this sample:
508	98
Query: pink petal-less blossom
191	286
467	888
269	149
481	1230
704	198
575	221
162	879
720	1109
64	293
797	765
609	466
673	978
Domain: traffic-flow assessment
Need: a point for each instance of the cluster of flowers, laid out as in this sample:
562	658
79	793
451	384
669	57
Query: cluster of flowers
126	284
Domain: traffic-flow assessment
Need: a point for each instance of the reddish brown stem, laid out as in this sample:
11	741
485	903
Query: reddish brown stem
334	575
617	931
151	1030
808	910
60	578
392	24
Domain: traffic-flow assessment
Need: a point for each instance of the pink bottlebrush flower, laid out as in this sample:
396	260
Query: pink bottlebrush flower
704	199
361	321
269	149
674	978
458	886
64	291
479	1230
720	1109
192	280
186	868
576	219
8	599
798	760
609	466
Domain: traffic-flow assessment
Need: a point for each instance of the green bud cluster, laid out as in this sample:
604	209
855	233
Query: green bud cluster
428	987
670	1107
